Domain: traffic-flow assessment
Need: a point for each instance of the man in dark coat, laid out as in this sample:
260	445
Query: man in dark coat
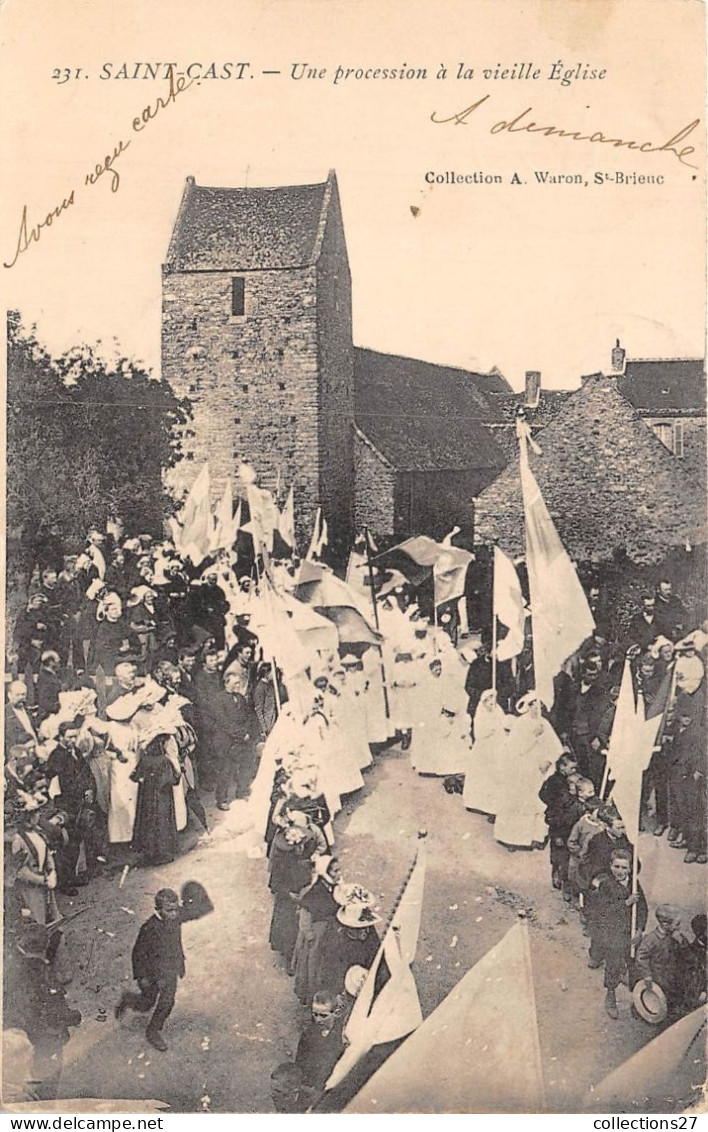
31	632
671	613
209	608
205	692
158	957
645	626
49	685
234	737
479	677
591	700
76	798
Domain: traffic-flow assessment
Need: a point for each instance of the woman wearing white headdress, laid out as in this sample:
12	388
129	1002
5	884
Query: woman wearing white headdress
488	759
530	757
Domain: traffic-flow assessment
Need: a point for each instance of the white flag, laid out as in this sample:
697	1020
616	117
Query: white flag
286	521
196	518
509	605
320	536
393	1011
630	749
478	1051
224	526
449	573
560	615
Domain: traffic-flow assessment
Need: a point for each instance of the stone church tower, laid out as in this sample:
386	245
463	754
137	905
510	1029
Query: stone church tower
257	334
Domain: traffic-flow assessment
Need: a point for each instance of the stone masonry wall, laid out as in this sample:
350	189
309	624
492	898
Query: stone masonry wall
375	491
252	379
694	442
336	376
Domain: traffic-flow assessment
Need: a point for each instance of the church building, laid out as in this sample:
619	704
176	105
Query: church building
257	334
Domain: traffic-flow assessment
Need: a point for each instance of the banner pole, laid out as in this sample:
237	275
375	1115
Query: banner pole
372	588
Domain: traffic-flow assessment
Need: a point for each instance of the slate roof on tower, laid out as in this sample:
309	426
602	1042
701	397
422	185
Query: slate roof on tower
426	417
248	229
607	480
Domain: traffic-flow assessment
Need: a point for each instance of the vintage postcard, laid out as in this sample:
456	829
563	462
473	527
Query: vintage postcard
355	530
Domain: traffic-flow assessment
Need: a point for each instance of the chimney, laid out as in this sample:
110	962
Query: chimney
618	356
533	388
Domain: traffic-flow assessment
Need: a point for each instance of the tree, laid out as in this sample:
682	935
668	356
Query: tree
86	439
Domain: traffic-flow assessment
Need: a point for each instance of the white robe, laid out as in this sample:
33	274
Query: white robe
441	738
378	723
350	714
487	757
342	748
529	758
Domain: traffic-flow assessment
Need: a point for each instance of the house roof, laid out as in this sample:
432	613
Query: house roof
664	385
503	429
607	480
248	229
425	417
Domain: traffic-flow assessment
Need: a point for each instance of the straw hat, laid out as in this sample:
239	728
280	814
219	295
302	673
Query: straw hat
357	916
650	1003
354	979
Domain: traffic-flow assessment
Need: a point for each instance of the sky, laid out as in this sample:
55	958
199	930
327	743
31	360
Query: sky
537	275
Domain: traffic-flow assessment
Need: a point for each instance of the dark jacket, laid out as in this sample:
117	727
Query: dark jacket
235	726
157	952
597	859
612	916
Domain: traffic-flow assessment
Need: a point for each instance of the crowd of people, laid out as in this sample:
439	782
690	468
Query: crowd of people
141	685
543	779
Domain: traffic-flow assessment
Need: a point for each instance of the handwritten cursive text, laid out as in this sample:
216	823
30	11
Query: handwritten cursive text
520	124
29	234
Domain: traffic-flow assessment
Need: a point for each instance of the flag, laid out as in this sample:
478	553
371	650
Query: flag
319	587
414	558
449	573
560	615
358	575
630	749
225	528
387	1006
477	1052
286	521
320	536
509	605
196	520
264	518
669	1070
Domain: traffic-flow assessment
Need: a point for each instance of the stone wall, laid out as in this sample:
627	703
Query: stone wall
336	379
694	441
252	379
375	490
610	485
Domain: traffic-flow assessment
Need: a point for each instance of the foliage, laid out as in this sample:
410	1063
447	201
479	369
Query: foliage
86	439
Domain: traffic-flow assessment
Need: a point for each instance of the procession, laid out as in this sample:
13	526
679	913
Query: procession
213	688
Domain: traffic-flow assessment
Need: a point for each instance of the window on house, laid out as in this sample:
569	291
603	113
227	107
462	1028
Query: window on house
665	432
238	295
678	438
